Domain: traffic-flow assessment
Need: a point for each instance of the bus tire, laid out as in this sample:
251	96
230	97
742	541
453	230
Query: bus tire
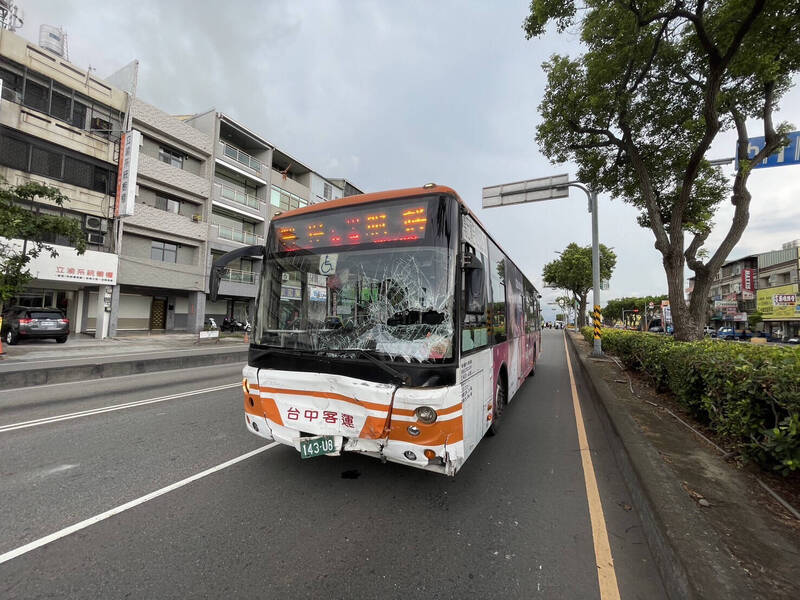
500	402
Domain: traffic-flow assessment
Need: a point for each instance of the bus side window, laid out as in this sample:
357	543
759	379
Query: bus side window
497	274
531	309
475	327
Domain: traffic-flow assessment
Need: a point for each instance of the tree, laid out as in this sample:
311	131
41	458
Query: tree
639	109
753	319
572	271
21	219
613	309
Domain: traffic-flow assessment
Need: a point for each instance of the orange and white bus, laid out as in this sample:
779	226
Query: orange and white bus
389	324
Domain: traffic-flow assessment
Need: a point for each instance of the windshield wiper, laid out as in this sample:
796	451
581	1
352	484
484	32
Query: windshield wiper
416	317
405	379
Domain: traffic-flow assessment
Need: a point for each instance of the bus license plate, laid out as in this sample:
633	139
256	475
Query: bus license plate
317	446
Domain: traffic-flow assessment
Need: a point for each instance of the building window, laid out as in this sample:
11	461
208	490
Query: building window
286	200
62	103
36	96
78	173
31	155
45	162
327	191
171	157
164	251
14	153
168	204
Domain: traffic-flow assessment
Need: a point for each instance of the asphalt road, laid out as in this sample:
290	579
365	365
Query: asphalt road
514	522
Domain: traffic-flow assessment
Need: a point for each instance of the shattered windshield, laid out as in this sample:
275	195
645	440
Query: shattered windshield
395	303
372	281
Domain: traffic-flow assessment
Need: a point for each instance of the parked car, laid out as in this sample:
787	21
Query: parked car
793	340
22	322
729	333
708	330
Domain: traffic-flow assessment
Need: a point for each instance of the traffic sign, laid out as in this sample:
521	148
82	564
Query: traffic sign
532	190
788	155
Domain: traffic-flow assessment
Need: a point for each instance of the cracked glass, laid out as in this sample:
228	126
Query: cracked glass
388	292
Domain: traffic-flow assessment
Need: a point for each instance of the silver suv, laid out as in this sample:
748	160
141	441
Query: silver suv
22	322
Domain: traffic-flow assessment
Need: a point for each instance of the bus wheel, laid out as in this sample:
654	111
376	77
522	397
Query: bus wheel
500	401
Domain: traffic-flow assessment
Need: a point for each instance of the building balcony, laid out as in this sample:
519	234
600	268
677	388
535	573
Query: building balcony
242	237
240	158
154	219
160	172
230	194
237	276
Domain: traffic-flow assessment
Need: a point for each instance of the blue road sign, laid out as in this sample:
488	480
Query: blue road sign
788	155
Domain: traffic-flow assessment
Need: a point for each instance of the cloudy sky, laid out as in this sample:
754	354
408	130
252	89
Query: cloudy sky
394	94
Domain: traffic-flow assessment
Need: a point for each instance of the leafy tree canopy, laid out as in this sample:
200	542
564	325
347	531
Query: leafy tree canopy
572	271
639	108
613	309
21	220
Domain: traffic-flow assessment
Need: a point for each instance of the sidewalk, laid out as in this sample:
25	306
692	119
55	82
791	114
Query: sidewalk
713	530
46	362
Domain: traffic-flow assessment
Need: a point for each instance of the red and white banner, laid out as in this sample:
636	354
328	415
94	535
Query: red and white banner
747	280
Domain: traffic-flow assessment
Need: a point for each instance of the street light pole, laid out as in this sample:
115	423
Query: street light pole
597	350
550	188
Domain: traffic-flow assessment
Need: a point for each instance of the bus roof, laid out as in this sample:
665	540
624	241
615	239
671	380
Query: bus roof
364	198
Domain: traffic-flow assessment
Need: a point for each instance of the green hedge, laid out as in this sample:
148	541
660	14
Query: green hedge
748	394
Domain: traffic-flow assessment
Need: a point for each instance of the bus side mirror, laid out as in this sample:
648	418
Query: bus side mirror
474	286
219	265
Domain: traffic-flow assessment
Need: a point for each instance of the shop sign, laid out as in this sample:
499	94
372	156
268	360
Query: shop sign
740	317
289	292
748	295
666	312
747	280
726	306
99	268
779	302
126	173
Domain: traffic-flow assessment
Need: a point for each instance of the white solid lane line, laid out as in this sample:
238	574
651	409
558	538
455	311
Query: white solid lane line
105	409
128	505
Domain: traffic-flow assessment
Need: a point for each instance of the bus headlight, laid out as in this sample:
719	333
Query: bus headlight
425	414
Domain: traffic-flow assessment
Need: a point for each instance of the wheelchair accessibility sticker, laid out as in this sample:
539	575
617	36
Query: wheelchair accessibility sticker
327	264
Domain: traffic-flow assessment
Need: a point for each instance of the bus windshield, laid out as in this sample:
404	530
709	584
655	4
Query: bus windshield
391	297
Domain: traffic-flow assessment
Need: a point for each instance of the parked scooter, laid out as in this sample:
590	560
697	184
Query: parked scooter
229	324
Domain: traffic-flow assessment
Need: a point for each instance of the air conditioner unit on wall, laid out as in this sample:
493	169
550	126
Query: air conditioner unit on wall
96	238
96	223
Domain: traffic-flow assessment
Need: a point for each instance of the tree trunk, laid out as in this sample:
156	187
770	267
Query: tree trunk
685	323
582	310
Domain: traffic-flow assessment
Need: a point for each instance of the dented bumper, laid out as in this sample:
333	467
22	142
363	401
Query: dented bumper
369	418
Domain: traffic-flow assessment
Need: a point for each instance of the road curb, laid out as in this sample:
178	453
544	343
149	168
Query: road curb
31	374
690	557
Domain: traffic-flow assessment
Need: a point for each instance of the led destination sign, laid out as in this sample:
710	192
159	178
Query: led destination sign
376	223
